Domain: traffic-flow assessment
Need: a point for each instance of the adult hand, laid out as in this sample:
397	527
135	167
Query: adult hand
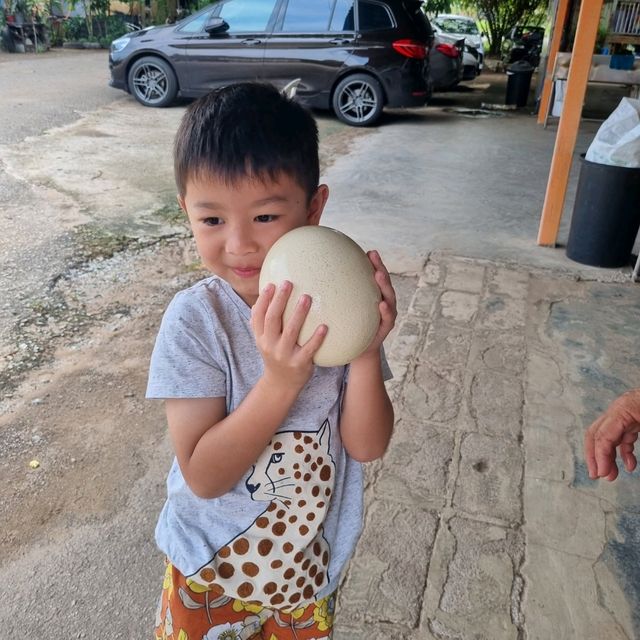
615	431
285	362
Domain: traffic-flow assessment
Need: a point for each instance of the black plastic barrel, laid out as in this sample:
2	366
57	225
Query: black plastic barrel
606	215
518	83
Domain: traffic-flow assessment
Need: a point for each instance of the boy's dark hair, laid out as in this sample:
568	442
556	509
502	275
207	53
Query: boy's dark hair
247	129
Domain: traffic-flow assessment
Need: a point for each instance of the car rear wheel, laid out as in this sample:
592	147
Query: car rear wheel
153	82
358	100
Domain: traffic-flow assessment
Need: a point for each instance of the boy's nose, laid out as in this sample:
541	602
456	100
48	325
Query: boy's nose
240	243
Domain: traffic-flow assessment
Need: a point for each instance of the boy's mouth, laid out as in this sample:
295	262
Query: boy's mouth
247	272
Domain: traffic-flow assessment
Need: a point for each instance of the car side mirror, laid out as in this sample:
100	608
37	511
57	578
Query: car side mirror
216	26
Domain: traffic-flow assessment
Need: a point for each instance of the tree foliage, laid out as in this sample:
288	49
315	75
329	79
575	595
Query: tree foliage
435	7
501	16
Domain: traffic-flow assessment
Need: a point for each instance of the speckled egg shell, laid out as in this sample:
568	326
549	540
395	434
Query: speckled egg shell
337	274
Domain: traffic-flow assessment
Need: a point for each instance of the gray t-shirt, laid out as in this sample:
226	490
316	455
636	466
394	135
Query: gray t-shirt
282	536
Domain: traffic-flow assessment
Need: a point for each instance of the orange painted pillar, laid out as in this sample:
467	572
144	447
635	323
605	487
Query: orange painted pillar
586	33
554	47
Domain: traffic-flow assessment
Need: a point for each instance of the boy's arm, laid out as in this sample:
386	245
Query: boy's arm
214	450
366	421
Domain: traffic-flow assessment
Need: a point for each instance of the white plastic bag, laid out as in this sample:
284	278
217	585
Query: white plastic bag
618	139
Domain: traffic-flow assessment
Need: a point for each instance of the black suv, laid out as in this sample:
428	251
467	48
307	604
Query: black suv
352	56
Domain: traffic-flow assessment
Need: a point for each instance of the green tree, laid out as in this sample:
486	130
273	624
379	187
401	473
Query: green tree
435	7
500	16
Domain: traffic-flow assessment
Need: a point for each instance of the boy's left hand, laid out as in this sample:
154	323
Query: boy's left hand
388	310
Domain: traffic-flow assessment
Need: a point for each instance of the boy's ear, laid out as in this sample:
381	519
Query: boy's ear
181	204
316	206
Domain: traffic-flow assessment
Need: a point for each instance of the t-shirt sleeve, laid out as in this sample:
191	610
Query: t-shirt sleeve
185	362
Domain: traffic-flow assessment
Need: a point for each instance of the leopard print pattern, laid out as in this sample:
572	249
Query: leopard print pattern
282	559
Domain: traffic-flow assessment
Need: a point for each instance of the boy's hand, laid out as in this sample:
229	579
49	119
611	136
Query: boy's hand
285	362
388	310
617	428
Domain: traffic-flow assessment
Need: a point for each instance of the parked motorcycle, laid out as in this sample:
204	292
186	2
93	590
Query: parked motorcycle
523	43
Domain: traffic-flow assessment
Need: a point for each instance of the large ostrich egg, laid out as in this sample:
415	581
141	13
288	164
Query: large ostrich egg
337	274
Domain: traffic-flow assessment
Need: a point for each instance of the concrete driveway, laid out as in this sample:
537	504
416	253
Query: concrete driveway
480	520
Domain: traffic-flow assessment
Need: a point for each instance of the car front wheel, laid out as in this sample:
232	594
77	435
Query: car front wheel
153	82
358	100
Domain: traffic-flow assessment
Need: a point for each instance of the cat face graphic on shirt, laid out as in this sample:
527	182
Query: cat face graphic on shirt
282	558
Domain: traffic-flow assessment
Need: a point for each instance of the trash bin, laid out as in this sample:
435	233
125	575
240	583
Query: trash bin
606	215
518	82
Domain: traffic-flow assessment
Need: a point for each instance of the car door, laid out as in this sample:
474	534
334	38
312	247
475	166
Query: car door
232	55
311	40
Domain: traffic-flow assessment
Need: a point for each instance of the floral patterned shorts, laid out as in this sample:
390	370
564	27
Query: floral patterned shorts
185	614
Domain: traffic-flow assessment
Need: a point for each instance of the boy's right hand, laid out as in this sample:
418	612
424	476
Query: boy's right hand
285	362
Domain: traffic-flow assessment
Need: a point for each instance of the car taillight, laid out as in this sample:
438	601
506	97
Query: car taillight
448	50
411	49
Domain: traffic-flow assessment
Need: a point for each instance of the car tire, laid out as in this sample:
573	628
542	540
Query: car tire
358	100
152	82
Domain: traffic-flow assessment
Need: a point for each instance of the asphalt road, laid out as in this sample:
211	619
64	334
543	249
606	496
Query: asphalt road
41	91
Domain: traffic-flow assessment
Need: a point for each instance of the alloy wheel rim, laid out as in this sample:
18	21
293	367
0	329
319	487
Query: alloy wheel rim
150	83
357	102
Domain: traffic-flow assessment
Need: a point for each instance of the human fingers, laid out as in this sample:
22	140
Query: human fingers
291	330
605	455
383	278
589	449
311	346
626	451
613	473
260	307
273	316
607	437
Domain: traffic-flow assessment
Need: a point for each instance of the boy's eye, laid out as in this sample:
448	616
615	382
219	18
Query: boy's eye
212	222
265	218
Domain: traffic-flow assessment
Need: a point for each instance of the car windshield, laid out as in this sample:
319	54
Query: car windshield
457	25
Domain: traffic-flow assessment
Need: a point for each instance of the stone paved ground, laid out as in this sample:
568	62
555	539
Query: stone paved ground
481	522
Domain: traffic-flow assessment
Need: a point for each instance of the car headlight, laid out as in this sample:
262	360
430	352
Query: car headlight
119	44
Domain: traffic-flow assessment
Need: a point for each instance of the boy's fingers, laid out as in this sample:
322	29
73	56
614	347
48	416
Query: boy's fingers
259	309
291	330
386	288
309	348
382	278
273	316
376	260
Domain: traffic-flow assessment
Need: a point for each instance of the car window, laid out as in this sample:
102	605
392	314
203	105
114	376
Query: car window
456	25
342	19
305	16
197	24
247	15
373	16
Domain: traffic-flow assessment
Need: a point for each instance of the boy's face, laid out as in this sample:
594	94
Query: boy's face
235	225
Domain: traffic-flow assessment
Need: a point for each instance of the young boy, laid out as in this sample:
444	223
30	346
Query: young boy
264	500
